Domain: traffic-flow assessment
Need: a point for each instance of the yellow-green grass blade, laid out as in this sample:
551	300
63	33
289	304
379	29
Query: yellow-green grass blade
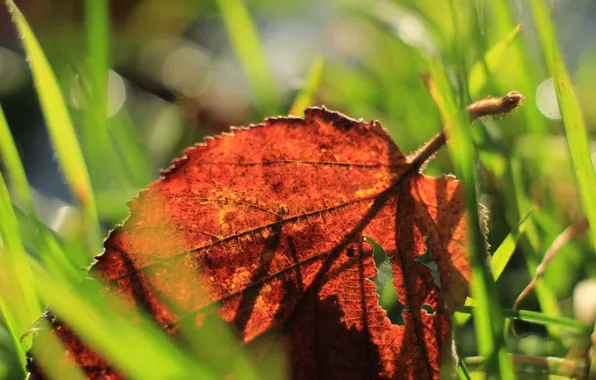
60	127
577	137
488	318
245	40
505	251
306	96
37	237
19	302
491	63
14	167
498	262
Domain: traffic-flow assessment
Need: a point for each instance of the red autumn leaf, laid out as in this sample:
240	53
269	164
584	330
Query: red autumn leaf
267	222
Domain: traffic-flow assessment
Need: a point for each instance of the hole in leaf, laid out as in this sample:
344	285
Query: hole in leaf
427	260
384	284
429	309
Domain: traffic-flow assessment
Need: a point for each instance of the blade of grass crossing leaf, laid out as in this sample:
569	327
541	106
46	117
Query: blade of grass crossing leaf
305	97
488	318
59	124
140	349
51	356
250	53
478	73
577	137
14	166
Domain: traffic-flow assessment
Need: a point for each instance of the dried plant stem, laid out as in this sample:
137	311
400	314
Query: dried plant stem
570	233
490	106
567	235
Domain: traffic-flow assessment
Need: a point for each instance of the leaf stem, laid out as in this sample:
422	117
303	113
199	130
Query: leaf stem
489	106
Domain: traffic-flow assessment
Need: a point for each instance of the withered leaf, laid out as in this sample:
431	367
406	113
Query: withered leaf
267	222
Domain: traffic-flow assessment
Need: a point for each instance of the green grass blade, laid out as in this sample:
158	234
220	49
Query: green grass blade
245	40
103	163
36	237
305	98
503	254
462	370
61	130
538	318
499	260
129	146
488	318
97	33
18	300
577	137
14	166
478	76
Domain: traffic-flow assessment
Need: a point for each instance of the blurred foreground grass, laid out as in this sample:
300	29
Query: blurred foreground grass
122	91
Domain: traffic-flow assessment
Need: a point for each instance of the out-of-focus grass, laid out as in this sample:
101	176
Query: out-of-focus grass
60	127
306	96
573	120
373	54
246	42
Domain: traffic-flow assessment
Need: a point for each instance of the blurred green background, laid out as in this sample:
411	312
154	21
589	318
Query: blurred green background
183	69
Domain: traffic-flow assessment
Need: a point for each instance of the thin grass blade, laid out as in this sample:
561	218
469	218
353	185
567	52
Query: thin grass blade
306	96
245	40
60	127
14	166
478	76
577	137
